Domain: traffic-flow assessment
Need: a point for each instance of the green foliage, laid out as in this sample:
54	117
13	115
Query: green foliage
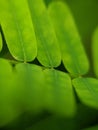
71	48
7	109
44	79
29	96
48	49
18	29
59	96
87	90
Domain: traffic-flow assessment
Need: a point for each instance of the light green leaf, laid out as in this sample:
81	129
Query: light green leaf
8	112
48	48
0	42
73	54
18	29
58	92
95	51
29	86
87	91
92	128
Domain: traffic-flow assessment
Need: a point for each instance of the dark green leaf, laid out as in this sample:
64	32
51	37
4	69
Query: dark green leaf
73	54
18	29
59	97
87	91
48	49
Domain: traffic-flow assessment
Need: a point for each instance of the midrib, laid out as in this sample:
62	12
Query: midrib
37	32
14	15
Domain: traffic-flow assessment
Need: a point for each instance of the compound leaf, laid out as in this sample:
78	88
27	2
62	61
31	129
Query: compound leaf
59	96
48	48
73	54
87	91
18	29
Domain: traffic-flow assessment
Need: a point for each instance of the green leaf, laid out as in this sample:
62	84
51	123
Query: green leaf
48	48
29	87
59	97
18	29
0	42
73	54
92	128
87	91
8	112
95	51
